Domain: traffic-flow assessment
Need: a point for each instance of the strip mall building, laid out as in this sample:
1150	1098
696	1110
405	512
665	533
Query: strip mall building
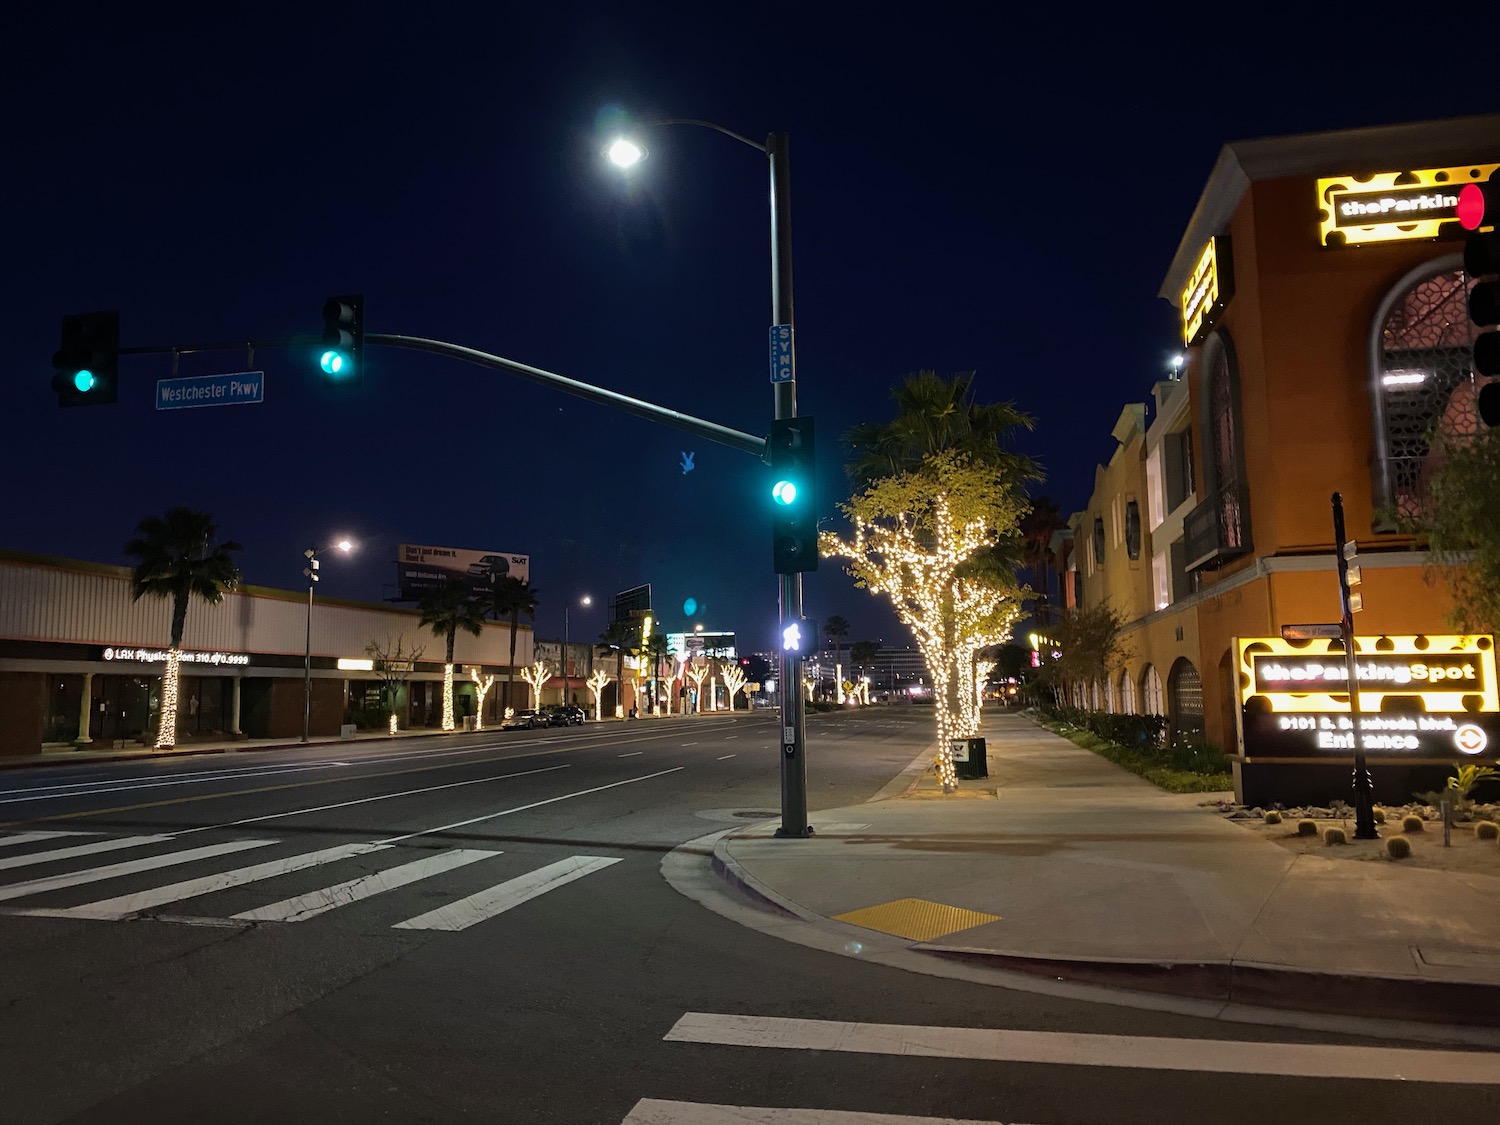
80	661
1323	303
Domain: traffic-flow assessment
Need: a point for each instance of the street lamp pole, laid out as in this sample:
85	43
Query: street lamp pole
311	574
585	601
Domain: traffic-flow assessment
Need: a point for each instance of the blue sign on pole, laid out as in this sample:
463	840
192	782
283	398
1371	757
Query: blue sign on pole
211	390
781	353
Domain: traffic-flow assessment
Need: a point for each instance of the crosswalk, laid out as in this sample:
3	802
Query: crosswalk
31	854
1445	1068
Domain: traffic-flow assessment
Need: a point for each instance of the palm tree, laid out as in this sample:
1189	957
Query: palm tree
836	629
1037	528
177	558
509	598
620	635
445	611
655	651
935	415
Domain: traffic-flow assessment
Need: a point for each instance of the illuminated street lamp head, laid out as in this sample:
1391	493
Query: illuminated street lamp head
344	545
624	153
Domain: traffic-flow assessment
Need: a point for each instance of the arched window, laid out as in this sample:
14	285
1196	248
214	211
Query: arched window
1151	701
1109	694
1185	695
1132	529
1127	694
1421	384
1218	529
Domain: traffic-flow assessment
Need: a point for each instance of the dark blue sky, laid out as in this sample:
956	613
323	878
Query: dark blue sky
969	193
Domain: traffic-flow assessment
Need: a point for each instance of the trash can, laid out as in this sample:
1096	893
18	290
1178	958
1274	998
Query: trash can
968	758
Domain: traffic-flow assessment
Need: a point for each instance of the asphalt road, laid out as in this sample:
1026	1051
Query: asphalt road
476	928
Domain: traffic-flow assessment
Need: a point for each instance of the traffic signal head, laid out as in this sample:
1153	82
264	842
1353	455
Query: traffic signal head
794	521
342	354
87	361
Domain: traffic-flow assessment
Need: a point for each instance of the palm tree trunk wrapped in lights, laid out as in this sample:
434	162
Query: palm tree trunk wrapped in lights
178	559
445	610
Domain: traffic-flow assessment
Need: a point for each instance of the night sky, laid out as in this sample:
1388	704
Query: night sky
968	193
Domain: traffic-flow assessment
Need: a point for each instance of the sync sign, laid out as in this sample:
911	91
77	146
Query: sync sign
211	390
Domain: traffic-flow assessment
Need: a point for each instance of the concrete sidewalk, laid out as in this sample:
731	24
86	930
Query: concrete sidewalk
1066	865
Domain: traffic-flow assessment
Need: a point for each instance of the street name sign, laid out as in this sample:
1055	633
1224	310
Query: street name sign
1320	631
238	389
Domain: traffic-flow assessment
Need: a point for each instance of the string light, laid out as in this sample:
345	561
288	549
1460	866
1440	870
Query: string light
166	733
911	535
734	680
391	723
535	676
596	684
447	697
482	689
698	673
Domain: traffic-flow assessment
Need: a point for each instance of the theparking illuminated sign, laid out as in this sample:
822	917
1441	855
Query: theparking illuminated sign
1421	697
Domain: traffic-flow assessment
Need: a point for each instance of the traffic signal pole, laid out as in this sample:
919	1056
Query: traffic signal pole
793	737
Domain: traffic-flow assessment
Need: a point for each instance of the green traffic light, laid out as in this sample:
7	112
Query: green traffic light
334	362
785	492
83	380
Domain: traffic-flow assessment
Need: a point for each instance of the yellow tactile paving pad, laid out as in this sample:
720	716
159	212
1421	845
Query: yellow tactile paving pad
916	918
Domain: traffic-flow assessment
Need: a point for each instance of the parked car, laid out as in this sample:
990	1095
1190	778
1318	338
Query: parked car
527	719
565	716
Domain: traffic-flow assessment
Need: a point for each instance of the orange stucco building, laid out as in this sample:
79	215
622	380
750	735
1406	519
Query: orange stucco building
1322	296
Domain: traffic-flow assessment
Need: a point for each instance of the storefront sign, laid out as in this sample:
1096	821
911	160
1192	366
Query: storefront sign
1431	697
1208	290
159	656
1392	206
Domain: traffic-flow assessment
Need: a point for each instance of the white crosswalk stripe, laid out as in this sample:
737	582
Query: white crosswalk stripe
303	907
34	837
650	1111
130	867
1311	1060
126	905
466	912
77	850
456	915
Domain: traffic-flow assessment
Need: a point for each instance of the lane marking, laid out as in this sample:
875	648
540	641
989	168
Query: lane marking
650	1111
476	908
116	809
34	837
632	754
98	874
690	744
532	805
302	907
1307	1060
80	849
123	906
367	800
725	757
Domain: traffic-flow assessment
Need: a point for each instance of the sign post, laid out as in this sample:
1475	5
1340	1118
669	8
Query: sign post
1364	784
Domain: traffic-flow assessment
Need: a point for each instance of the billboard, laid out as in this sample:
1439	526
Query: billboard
697	644
632	603
420	569
1424	697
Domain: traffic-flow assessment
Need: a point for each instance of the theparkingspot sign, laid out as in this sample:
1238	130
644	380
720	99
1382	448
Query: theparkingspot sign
1425	697
1392	206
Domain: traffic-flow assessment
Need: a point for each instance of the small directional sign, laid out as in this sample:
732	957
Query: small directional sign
781	353
238	389
1332	630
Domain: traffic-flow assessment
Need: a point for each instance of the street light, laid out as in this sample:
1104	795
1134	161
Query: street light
625	152
310	572
585	600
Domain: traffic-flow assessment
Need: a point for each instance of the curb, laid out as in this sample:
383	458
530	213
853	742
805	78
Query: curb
149	755
1413	999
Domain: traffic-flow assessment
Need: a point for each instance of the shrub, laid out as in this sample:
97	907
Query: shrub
1273	817
1307	828
1379	815
1398	847
1487	830
1413	824
1334	835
